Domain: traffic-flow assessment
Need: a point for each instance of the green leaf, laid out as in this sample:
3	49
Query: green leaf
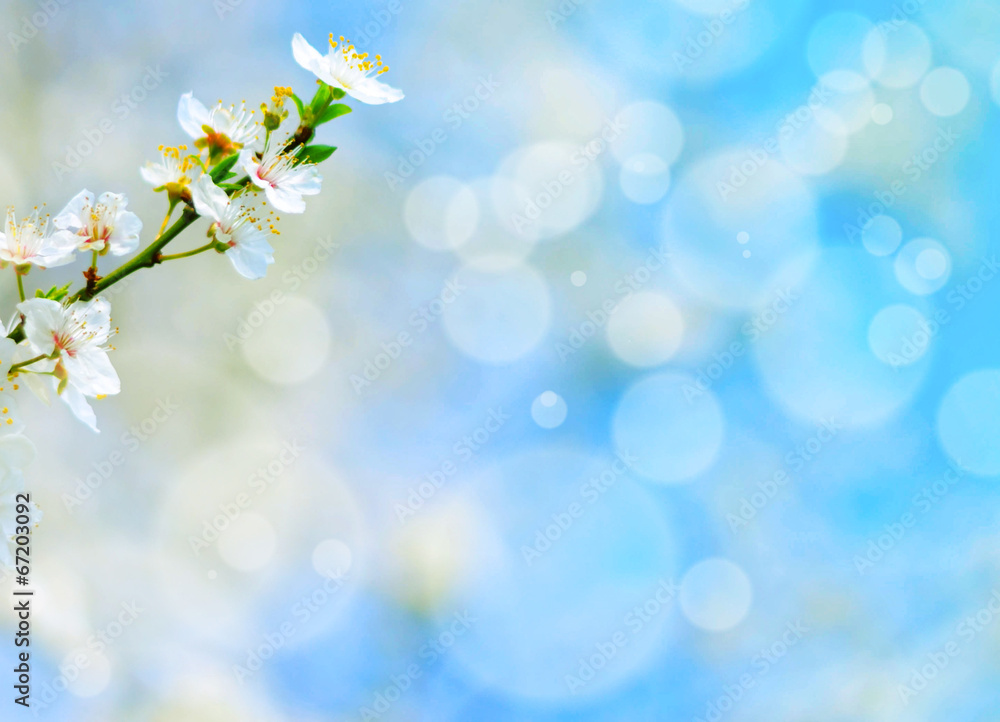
222	168
316	153
56	293
337	93
334	111
320	100
298	104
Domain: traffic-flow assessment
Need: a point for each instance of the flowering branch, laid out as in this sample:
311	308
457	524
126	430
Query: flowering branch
240	171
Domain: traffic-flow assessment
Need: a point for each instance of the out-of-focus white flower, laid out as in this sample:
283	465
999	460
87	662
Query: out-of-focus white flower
249	251
346	69
101	225
283	179
34	240
76	337
221	130
16	452
174	173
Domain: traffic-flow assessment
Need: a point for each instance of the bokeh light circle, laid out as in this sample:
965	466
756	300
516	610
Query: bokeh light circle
923	266
539	612
968	422
501	316
248	542
945	92
898	57
899	335
495	245
290	344
817	146
332	558
842	41
550	188
548	410
671	424
882	235
814	357
646	329
644	178
848	109
715	595
882	114
649	128
441	213
743	190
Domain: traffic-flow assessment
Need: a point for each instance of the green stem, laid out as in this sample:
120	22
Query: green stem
17	367
20	283
207	247
147	259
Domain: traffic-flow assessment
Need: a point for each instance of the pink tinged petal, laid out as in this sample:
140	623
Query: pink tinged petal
91	373
209	200
70	217
41	319
77	403
251	168
251	255
192	115
306	55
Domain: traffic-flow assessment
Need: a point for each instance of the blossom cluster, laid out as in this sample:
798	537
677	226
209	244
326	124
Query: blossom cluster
240	170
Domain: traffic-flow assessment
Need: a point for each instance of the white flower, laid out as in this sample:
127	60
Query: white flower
173	173
33	241
346	69
76	337
102	225
221	130
249	251
282	177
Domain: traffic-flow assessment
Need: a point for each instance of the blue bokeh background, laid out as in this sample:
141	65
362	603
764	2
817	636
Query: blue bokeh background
653	375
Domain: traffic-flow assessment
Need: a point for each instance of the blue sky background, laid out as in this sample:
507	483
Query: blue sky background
712	435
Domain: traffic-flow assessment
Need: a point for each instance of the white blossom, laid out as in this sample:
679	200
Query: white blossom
346	69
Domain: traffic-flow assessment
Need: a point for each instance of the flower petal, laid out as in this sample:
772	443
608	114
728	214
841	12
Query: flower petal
70	216
78	404
91	373
306	55
42	316
251	255
284	199
192	115
374	92
125	237
209	200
